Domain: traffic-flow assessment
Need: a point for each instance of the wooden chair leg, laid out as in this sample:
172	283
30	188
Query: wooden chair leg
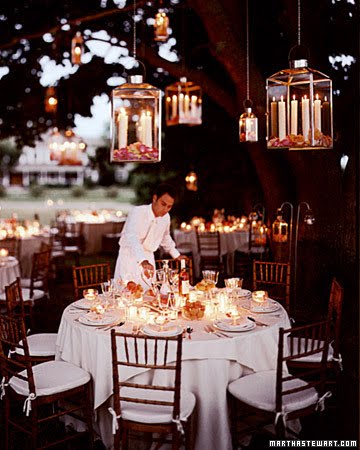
88	416
7	424
176	440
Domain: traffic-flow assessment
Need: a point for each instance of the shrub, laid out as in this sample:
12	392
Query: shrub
36	191
2	192
78	191
111	192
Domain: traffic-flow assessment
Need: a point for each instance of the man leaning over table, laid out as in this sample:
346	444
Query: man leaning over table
146	229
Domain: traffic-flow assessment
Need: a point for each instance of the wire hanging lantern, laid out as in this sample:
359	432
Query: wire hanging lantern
248	122
299	104
51	100
161	24
136	119
77	48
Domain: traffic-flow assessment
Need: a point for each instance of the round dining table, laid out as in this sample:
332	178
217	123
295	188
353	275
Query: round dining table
9	271
209	363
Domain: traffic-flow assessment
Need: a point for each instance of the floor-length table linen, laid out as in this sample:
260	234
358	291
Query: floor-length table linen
9	271
209	364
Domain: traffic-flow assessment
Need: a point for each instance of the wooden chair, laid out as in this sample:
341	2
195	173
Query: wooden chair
42	346
110	241
141	407
209	250
174	264
275	396
37	395
13	245
37	286
90	277
72	239
273	277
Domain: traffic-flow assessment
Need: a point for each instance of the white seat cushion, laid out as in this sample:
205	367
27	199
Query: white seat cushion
316	357
57	254
112	235
26	282
258	390
41	344
143	413
71	249
37	294
52	377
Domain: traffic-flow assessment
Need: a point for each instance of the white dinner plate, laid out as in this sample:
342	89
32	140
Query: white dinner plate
92	319
83	303
242	324
242	292
271	306
169	330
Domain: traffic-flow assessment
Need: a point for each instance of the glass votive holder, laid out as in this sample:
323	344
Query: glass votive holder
223	300
173	314
143	313
132	312
90	294
209	311
151	317
4	253
259	298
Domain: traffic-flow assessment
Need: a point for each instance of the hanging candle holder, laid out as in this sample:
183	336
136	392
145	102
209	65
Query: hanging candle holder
66	148
136	122
183	103
77	48
191	181
161	26
280	228
248	124
51	101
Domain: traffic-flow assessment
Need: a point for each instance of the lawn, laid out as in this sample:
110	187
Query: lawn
21	202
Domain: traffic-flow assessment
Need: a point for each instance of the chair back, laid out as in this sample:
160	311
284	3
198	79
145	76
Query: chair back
143	352
14	299
273	277
209	249
335	312
13	338
174	264
90	276
40	270
13	245
294	344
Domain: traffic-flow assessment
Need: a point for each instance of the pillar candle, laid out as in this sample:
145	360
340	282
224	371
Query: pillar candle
326	117
148	130
123	128
174	107
142	128
273	118
294	116
282	119
186	105
317	113
181	105
194	106
305	117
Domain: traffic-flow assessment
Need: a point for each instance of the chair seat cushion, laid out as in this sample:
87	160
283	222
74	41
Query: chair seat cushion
26	282
143	413
258	390
41	344
316	357
71	249
52	377
37	294
57	254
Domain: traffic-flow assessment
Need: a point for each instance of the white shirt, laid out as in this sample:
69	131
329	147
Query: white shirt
142	235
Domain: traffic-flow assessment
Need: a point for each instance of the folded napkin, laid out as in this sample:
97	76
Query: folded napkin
227	324
155	330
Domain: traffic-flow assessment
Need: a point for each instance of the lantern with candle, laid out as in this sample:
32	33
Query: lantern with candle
51	101
136	122
161	26
191	181
77	48
183	103
279	228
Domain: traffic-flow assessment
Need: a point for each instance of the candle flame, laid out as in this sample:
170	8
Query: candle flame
294	98
325	99
273	99
281	98
317	96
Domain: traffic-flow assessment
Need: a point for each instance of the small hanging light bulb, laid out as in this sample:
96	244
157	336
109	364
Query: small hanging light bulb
77	48
161	26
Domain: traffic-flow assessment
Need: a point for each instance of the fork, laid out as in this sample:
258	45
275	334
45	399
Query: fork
211	330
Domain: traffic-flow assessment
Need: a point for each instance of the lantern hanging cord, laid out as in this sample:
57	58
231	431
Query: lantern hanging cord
134	31
247	52
299	22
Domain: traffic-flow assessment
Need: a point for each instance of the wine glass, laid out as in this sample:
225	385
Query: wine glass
233	314
210	276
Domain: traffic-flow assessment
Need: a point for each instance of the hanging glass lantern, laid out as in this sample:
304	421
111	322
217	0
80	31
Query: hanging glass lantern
191	181
183	103
279	228
161	26
258	234
299	106
77	48
66	148
248	124
136	122
51	100
54	144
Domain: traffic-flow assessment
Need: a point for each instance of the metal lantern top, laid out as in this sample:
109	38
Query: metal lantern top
299	108
77	48
183	103
161	26
136	122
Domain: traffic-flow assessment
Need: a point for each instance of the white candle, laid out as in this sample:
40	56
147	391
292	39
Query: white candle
305	117
294	116
282	119
123	128
148	130
194	106
186	105
142	128
317	113
132	312
274	119
174	107
181	105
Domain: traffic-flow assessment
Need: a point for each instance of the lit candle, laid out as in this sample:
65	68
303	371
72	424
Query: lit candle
4	253
90	294
183	226
148	130
282	119
132	312
186	105
194	106
143	313
317	113
181	106
305	117
123	128
326	117
174	107
259	296
294	116
274	118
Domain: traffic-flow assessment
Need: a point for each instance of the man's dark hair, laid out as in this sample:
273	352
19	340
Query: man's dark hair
165	188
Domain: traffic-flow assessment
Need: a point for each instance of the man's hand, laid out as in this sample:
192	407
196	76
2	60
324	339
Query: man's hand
148	268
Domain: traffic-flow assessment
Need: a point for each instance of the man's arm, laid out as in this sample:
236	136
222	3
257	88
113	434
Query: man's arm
131	232
168	244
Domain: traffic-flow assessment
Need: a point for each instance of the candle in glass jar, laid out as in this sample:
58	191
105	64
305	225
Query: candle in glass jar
132	312
259	296
4	252
90	294
143	313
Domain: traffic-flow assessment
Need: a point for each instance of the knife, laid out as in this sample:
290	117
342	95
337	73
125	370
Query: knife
261	324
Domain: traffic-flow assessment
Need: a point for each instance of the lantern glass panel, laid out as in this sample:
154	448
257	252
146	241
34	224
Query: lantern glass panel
299	109
136	123
280	230
183	101
248	127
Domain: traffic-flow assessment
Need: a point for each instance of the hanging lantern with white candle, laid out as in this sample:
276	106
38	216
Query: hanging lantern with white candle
136	122
51	100
191	181
280	228
183	103
161	26
77	48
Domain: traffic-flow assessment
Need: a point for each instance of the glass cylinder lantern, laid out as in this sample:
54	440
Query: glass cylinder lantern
77	48
183	103
248	124
161	26
299	107
136	122
51	101
279	229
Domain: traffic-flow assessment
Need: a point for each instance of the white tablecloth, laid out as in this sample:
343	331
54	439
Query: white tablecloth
9	271
209	364
29	246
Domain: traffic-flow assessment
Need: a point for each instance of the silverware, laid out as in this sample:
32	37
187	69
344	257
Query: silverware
120	324
260	324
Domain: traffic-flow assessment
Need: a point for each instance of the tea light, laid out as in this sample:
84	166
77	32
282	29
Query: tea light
4	253
132	312
209	311
160	319
143	313
90	294
259	296
223	299
99	309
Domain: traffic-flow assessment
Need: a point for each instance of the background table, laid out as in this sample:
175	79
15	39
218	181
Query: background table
9	271
209	364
